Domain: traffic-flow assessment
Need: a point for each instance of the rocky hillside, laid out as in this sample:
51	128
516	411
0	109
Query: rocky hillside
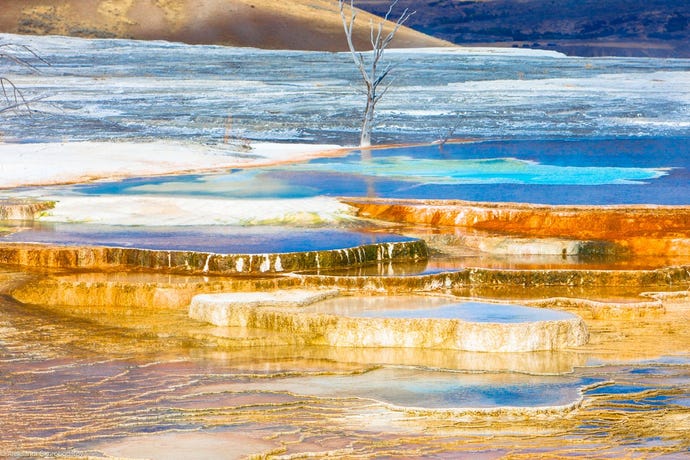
271	24
578	27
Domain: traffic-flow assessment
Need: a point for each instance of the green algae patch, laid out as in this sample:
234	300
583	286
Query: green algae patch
24	210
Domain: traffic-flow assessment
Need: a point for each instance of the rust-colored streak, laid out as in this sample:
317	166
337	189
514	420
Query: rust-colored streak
647	230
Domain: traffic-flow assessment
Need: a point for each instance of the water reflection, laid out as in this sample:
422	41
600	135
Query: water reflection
151	382
216	239
587	172
426	389
435	308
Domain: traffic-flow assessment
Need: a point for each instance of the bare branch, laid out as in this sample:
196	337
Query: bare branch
383	75
399	23
390	9
449	133
372	78
20	60
24	103
348	25
373	40
12	95
385	90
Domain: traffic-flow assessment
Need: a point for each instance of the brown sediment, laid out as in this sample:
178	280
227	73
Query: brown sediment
145	308
23	210
617	338
135	290
590	300
580	222
426	333
671	277
623	230
596	309
171	292
272	24
157	384
654	322
113	258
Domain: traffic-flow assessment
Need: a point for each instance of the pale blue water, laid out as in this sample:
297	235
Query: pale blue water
434	389
630	171
589	171
215	239
477	312
454	390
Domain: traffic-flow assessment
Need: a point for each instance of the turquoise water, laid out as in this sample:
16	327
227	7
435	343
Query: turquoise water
484	171
549	129
596	172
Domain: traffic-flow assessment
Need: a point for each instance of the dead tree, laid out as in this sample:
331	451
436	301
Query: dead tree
372	75
11	97
449	133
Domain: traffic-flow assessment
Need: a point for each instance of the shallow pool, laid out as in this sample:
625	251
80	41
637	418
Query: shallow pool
476	312
215	239
597	172
428	389
435	308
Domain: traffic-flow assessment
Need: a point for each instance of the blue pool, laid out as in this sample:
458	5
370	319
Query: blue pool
215	239
474	312
431	307
577	172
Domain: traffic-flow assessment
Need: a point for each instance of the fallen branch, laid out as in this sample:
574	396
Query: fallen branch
12	95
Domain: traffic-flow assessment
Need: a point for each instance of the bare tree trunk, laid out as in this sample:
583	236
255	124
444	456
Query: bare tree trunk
367	123
371	73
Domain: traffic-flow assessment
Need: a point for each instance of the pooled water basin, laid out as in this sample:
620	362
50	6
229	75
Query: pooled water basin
216	239
585	172
436	308
434	323
614	131
436	390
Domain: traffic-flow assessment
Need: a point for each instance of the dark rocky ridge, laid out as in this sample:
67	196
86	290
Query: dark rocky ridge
657	28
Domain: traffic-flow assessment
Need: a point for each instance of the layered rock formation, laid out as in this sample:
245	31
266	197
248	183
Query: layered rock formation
20	210
102	257
275	311
617	230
